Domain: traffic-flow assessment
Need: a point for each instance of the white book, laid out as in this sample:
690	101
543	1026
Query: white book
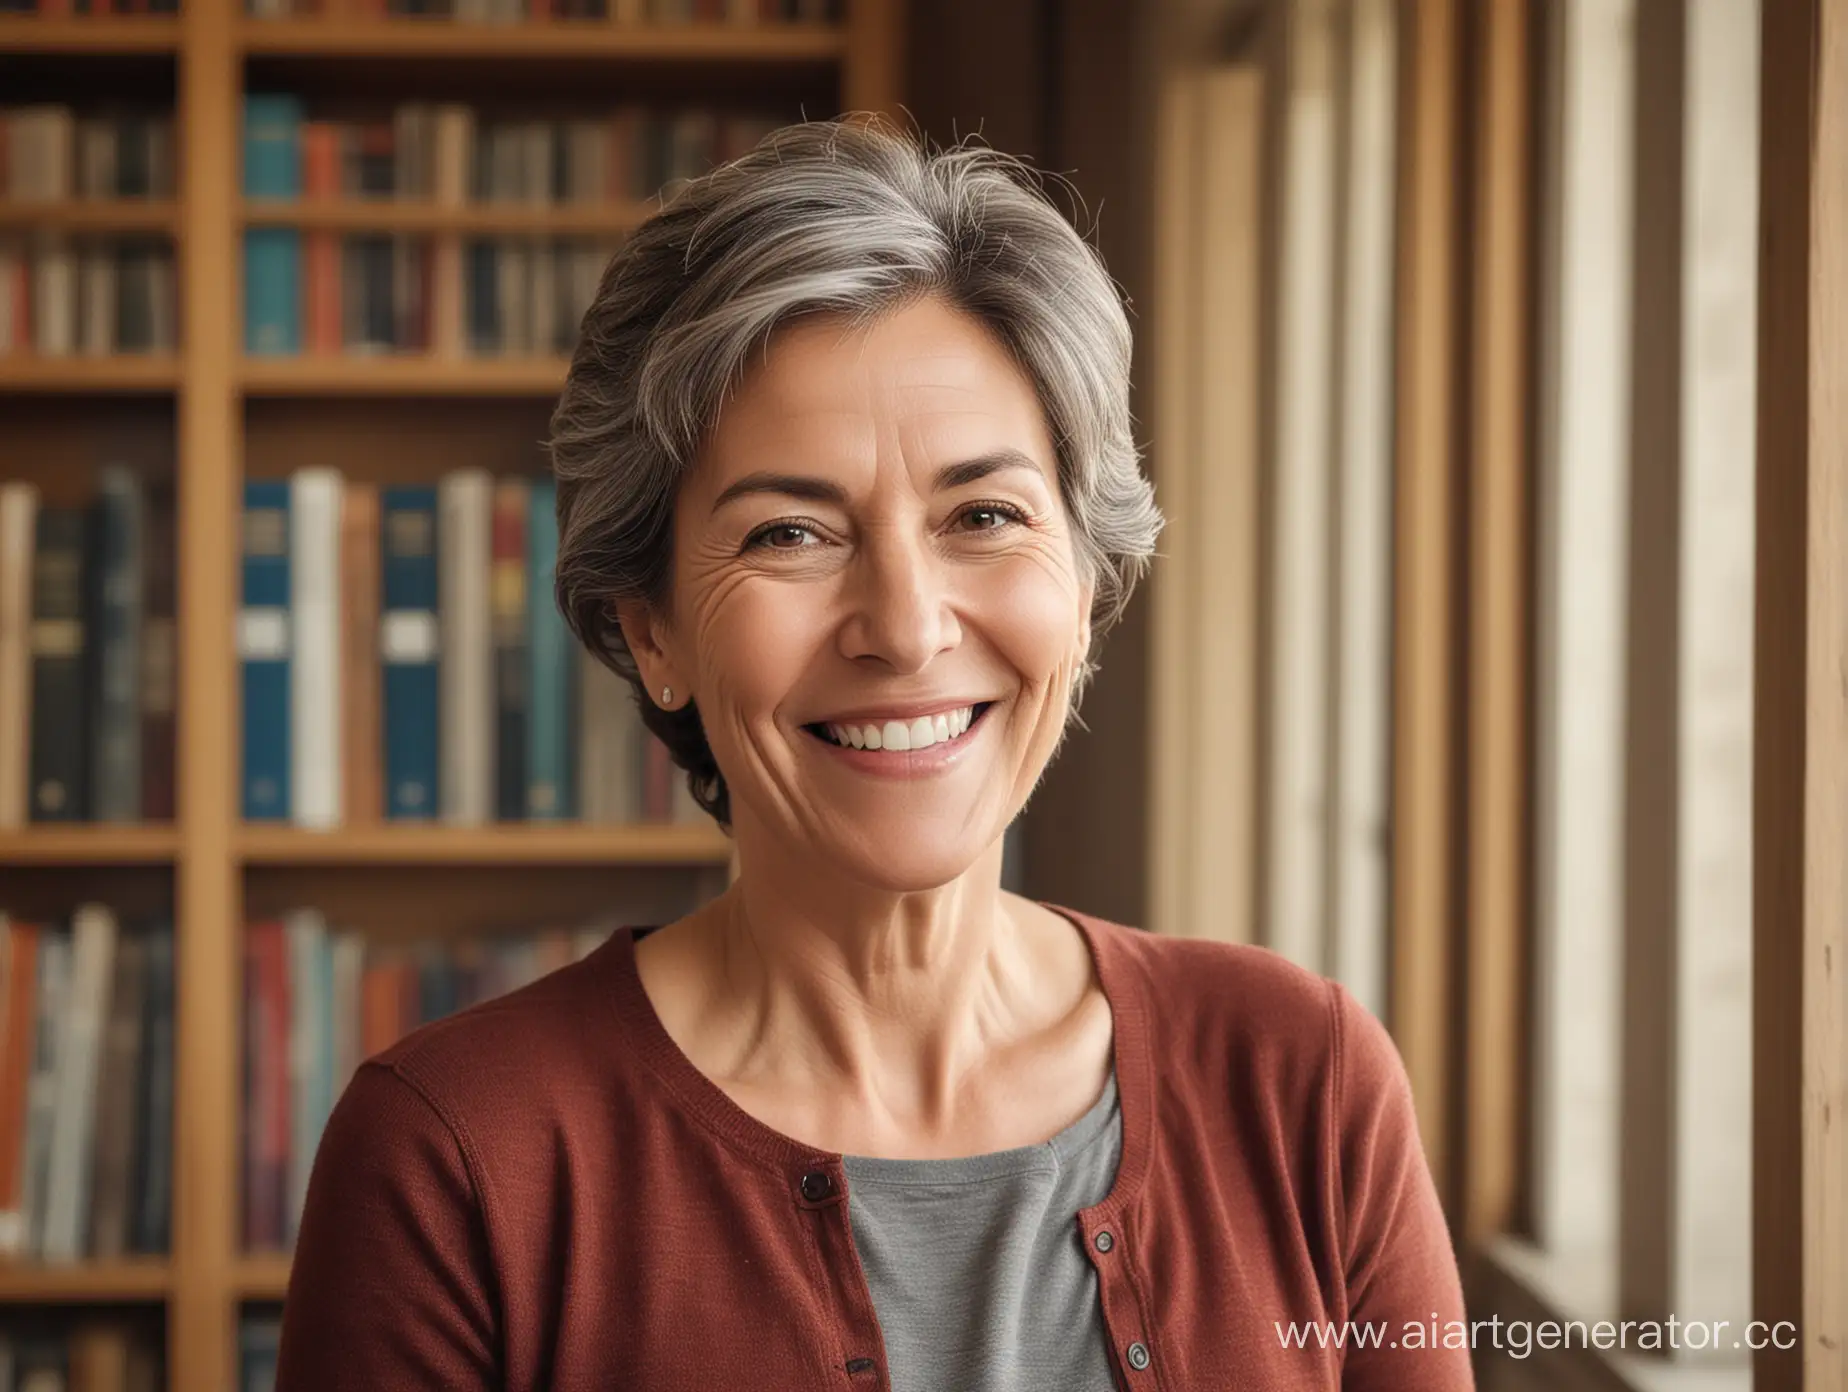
54	298
18	518
314	672
96	158
455	144
513	269
465	721
97	302
609	746
310	1003
49	1010
73	1118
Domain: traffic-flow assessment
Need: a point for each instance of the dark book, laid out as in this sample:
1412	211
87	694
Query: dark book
116	1141
60	698
115	767
159	686
150	1229
507	621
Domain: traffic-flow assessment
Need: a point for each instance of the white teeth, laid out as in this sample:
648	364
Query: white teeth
920	733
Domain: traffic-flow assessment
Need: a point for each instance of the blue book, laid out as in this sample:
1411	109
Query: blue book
272	291
408	651
272	146
259	1346
549	792
263	644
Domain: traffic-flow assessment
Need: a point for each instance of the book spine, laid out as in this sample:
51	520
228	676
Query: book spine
305	940
93	934
116	762
548	766
408	652
153	1201
18	520
60	780
272	291
314	672
115	1099
510	651
466	722
42	1088
159	656
264	650
15	1075
272	146
361	754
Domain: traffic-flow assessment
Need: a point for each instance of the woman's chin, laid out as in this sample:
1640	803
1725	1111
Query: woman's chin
902	861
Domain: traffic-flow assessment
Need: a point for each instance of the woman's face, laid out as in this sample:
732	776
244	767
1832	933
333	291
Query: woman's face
877	602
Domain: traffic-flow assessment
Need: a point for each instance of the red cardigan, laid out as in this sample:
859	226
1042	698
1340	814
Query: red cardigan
542	1192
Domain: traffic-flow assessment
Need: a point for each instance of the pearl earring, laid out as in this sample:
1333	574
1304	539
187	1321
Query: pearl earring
667	695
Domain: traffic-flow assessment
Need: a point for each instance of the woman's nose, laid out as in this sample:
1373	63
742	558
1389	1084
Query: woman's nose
899	605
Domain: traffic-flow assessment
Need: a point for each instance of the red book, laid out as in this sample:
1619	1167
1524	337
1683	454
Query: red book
270	1167
320	159
21	945
379	992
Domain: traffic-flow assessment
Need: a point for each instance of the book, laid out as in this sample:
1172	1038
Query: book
316	800
18	522
549	669
73	1116
466	714
115	764
264	647
508	618
60	691
362	778
408	651
159	656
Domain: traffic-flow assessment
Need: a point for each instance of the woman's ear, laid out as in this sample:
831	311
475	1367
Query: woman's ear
643	633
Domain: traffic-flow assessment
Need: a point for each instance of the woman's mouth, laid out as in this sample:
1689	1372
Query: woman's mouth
921	732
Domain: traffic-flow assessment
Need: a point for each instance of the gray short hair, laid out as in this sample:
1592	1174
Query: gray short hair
844	218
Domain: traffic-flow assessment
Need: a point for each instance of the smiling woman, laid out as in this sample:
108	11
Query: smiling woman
847	490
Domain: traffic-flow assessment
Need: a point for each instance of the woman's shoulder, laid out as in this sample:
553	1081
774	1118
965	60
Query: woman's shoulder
1241	1007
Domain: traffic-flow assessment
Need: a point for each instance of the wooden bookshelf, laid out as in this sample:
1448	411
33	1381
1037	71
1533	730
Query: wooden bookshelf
89	845
403	375
512	844
231	414
95	34
119	374
98	1282
573	39
475	219
93	215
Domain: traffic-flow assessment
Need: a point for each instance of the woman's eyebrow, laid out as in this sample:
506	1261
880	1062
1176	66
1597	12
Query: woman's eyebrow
803	486
821	490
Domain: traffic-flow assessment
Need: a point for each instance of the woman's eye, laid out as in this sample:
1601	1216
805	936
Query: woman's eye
988	519
784	536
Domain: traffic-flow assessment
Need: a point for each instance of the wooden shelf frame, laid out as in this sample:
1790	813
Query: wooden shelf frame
91	215
30	34
209	851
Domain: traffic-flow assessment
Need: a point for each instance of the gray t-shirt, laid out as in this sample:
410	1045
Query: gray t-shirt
978	1271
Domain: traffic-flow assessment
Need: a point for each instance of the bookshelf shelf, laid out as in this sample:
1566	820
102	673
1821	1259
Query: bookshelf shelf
264	1276
129	34
125	1279
558	844
89	845
482	219
94	215
568	39
123	374
402	376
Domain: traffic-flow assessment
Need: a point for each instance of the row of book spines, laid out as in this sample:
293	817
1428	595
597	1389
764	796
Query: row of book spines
317	1003
444	154
92	1354
48	152
87	654
60	296
403	656
64	9
324	293
86	1086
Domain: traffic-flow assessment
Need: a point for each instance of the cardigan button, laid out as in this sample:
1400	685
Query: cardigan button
817	1185
1138	1355
1103	1241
